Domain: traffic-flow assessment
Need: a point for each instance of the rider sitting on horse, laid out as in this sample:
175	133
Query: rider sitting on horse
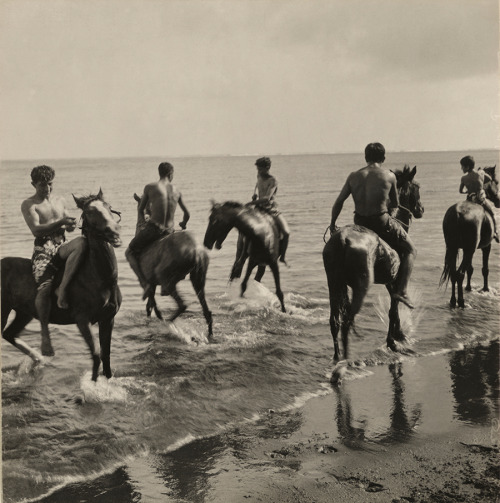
264	196
48	220
372	187
473	183
159	202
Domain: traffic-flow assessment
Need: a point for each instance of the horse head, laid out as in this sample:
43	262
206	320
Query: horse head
219	224
97	217
409	191
491	186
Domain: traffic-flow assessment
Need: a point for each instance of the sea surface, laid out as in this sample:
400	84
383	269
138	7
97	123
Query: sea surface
171	389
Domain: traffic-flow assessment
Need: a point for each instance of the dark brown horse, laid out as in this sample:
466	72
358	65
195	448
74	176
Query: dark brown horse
467	226
93	294
356	257
168	261
261	234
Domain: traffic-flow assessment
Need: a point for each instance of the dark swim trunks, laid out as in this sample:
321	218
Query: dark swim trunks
149	233
44	250
270	206
389	229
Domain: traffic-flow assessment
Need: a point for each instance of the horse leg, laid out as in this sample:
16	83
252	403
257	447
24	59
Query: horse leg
276	273
460	275
105	331
394	333
198	282
250	268
11	332
485	270
83	325
469	272
151	304
181	307
260	273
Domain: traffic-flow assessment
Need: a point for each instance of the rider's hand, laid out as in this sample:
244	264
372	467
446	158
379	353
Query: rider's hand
333	229
69	223
254	197
182	225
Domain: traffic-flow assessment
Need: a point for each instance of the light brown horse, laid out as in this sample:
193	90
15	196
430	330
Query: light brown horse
356	257
93	294
467	226
168	261
259	237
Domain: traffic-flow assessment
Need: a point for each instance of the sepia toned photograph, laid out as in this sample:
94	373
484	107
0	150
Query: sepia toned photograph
249	251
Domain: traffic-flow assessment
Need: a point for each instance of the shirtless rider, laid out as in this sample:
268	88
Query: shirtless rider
373	189
264	193
473	183
158	202
48	220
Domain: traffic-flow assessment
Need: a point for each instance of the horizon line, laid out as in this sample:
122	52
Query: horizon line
196	156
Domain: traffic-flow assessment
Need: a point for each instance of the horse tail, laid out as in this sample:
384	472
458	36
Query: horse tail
334	259
198	273
450	264
452	225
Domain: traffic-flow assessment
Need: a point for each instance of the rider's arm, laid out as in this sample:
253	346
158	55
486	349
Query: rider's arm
186	213
339	203
33	220
271	190
462	187
143	204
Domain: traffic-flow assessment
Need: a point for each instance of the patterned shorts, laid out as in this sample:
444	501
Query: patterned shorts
45	248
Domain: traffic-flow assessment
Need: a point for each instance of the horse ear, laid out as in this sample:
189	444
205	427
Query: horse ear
213	203
137	198
99	194
413	172
78	201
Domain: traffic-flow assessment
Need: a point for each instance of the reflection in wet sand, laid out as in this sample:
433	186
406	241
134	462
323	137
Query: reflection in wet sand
474	373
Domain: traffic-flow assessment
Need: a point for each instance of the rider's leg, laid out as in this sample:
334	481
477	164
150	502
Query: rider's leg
43	305
488	206
73	253
131	256
407	258
285	235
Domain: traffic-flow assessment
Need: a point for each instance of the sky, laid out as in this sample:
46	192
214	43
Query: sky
127	78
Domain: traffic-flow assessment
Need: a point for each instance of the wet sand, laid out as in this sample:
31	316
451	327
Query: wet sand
420	430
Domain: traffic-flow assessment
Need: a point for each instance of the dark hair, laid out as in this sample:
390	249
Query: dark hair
165	169
468	162
263	162
42	174
375	152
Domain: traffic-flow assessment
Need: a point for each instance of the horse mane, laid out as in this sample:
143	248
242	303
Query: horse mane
90	198
232	204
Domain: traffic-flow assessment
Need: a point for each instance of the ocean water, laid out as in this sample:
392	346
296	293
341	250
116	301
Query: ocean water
170	388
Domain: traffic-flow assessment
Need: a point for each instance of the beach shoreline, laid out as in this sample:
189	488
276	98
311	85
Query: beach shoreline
334	448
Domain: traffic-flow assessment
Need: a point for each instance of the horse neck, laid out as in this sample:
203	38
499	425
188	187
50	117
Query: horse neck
102	259
244	220
404	214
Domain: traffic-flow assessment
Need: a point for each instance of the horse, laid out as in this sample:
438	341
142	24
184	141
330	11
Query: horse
93	294
168	261
467	226
262	236
355	256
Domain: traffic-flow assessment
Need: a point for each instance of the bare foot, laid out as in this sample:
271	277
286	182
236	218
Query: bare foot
404	299
62	303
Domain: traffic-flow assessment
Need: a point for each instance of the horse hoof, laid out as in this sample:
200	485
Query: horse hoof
338	374
48	350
